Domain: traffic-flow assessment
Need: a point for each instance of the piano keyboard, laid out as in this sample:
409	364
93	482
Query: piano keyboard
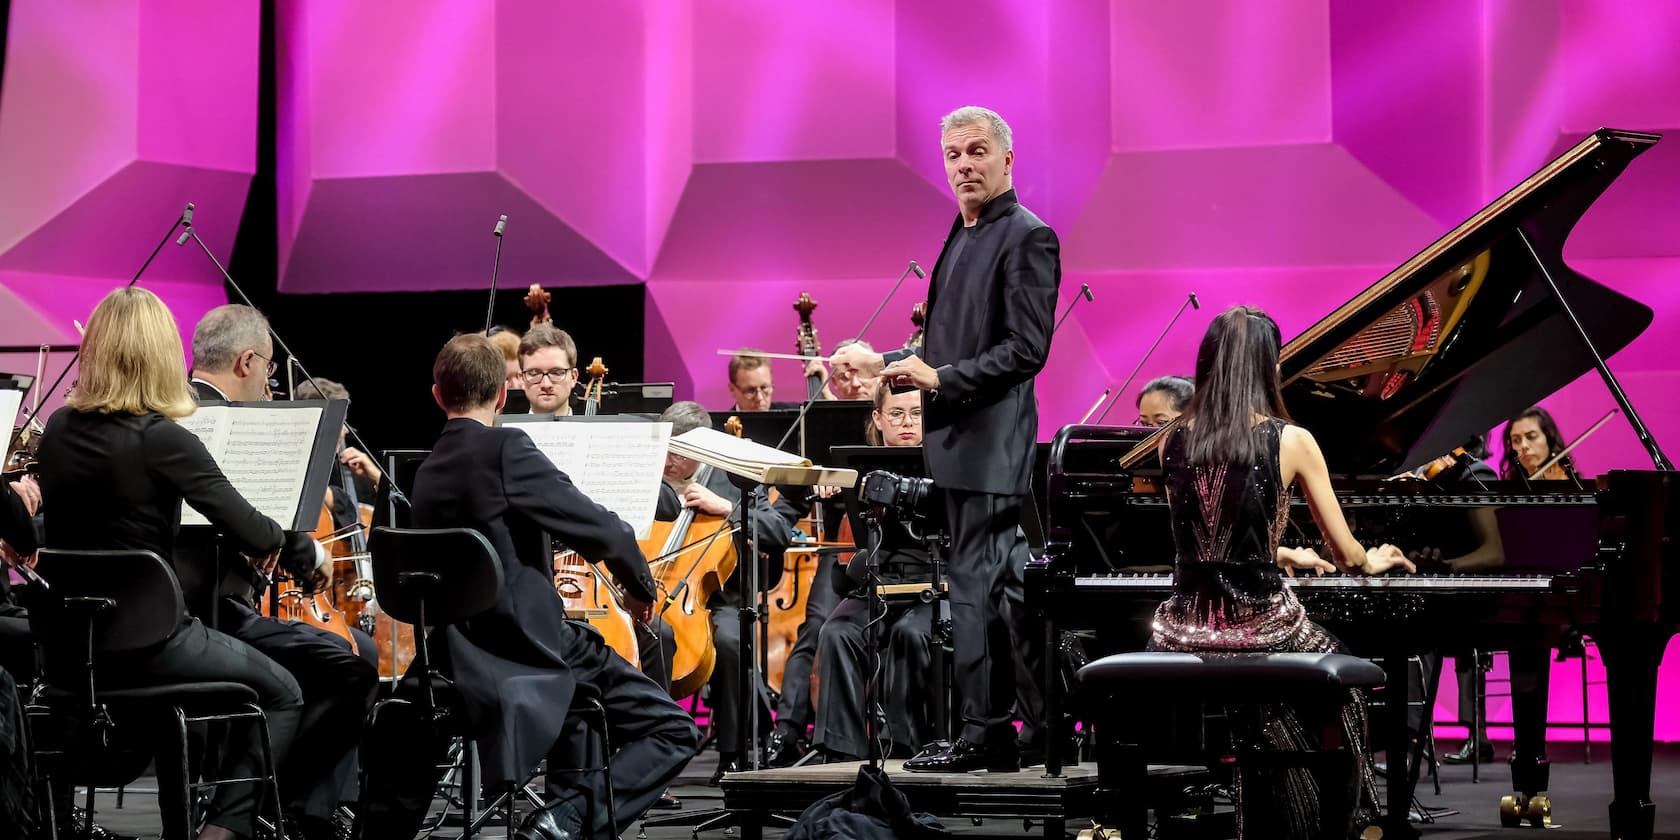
1407	583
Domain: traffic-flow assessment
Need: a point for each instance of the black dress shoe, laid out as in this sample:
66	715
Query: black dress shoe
79	828
667	802
1464	754
786	747
556	822
965	757
727	763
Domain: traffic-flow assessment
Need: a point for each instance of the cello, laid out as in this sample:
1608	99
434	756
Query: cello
354	593
690	559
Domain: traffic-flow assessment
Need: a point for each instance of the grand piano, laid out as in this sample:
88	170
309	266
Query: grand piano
1483	323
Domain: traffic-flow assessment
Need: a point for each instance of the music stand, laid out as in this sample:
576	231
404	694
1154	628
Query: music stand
643	398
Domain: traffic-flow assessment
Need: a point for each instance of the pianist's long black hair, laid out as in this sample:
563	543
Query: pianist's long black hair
1236	379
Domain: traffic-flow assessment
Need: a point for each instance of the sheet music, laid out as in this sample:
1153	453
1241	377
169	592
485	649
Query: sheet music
11	401
264	452
618	465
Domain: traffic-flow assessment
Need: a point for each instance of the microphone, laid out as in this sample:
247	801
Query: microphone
1084	294
186	215
495	272
182	239
1190	302
918	269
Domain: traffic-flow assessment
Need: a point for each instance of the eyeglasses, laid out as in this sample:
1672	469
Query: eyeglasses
535	376
757	390
272	367
899	416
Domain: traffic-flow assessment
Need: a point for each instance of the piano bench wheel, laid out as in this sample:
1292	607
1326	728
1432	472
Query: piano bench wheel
1511	808
1540	811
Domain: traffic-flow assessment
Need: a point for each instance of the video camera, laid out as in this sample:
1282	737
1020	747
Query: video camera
903	496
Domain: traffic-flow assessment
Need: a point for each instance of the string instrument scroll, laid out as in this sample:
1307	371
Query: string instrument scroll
806	342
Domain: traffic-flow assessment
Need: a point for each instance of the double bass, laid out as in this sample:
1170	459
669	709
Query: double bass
690	557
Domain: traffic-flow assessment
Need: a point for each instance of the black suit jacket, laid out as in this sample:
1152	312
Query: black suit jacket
117	481
510	663
989	335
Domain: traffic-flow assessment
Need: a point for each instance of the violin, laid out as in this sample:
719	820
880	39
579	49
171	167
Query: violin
805	341
918	319
691	558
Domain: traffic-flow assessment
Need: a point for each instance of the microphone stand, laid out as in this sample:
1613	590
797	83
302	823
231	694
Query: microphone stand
495	272
184	219
1121	391
396	494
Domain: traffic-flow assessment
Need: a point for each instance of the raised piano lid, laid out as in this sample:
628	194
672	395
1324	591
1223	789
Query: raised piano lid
1465	334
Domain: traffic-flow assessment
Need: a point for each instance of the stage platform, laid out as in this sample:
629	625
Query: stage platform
1051	803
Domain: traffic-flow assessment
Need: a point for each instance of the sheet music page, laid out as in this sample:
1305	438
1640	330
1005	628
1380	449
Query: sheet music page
11	401
618	465
264	452
737	450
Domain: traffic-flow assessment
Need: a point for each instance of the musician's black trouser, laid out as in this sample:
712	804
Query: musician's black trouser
844	665
794	709
652	740
729	714
997	655
338	690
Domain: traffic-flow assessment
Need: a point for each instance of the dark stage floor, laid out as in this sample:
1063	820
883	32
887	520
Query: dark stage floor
1580	794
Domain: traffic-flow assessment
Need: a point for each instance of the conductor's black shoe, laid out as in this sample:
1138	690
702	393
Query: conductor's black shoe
963	756
1463	754
556	822
786	746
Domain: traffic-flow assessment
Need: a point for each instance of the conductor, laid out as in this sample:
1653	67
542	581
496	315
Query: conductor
990	308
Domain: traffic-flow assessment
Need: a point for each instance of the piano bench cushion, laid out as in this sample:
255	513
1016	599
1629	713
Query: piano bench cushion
1251	676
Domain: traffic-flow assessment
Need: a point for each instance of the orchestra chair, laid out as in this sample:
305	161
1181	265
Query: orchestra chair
1123	688
429	578
110	603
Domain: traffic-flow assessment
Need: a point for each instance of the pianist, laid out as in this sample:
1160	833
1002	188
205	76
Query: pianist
1228	468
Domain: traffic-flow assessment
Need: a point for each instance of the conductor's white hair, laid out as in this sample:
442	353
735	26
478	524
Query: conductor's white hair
970	114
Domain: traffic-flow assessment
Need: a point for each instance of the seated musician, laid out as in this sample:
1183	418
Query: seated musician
750	383
366	474
507	341
22	499
232	355
516	666
906	629
548	368
117	469
1163	399
844	383
716	495
1228	469
1531	439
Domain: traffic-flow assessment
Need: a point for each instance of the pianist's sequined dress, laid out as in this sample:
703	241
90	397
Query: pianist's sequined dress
1229	597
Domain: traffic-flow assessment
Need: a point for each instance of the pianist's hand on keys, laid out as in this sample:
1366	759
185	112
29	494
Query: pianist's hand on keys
1385	557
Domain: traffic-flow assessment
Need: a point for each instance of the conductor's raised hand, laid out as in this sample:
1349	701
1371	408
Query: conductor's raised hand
856	358
913	371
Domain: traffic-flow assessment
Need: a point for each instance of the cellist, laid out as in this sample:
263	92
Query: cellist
716	496
233	358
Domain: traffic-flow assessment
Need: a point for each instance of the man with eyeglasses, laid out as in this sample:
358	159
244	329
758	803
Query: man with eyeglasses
548	368
232	359
750	385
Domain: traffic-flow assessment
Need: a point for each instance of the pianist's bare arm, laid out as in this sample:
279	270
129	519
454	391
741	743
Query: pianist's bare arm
1301	460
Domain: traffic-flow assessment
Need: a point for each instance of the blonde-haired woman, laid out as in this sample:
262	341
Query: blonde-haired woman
115	469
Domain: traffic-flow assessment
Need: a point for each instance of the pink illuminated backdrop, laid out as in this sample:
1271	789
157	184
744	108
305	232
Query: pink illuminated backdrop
729	154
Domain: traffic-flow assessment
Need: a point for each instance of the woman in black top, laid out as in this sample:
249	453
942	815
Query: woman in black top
1228	469
115	469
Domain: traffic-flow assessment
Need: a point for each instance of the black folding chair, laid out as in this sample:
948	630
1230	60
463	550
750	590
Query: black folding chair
101	604
432	578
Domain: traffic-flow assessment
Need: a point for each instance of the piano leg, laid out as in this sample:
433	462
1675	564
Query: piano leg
1530	769
1396	738
1631	656
1053	733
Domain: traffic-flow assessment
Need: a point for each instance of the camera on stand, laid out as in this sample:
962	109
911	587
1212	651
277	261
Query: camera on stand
904	497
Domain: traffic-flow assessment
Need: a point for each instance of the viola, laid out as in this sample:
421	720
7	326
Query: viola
690	559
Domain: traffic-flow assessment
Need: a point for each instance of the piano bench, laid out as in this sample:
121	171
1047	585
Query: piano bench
1127	691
